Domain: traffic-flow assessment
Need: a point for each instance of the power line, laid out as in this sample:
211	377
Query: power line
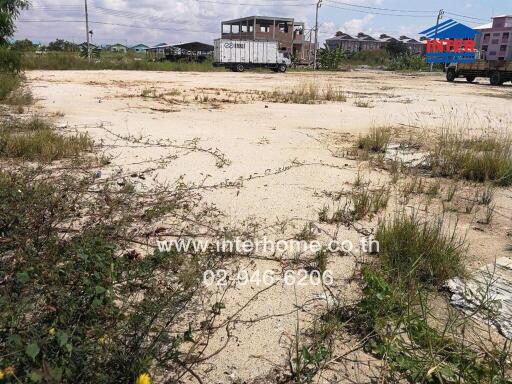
378	8
379	13
115	24
466	17
254	5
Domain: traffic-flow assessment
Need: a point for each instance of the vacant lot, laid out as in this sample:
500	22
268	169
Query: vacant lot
275	151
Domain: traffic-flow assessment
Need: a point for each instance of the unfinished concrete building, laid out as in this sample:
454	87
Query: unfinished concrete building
291	35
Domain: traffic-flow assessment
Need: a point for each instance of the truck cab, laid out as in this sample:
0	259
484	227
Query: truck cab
283	57
498	72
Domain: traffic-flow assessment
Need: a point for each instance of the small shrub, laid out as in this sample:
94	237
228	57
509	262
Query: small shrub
419	252
407	63
8	83
10	60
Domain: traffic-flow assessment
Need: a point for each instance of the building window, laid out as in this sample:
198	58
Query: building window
495	41
501	58
265	28
506	35
493	53
495	34
503	48
487	36
485	48
283	28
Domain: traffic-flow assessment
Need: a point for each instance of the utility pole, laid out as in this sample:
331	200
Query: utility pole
87	32
439	17
318	5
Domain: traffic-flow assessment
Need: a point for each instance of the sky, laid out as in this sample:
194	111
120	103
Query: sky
151	22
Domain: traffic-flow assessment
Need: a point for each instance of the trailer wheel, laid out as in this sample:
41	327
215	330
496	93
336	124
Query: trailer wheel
470	79
240	68
495	78
451	75
282	68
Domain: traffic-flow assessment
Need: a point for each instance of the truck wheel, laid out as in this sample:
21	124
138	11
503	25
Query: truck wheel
240	68
470	79
451	75
282	68
495	78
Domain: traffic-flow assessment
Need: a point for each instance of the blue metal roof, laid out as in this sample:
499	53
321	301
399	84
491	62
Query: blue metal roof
450	29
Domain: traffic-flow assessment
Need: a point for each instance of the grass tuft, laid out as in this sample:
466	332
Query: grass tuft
481	159
376	141
307	93
419	252
35	140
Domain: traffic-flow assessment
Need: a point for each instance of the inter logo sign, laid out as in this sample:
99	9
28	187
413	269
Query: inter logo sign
450	42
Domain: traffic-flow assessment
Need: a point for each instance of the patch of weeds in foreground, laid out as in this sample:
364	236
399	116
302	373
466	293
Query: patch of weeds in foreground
481	159
36	140
395	316
86	308
397	324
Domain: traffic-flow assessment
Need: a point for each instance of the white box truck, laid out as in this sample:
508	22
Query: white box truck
238	55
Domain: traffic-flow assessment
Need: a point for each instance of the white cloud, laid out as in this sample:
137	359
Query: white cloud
179	20
184	20
358	25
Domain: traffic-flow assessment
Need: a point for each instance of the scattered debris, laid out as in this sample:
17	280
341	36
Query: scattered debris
408	156
489	288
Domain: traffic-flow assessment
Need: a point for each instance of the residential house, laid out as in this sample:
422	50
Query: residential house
343	41
495	38
139	48
290	34
365	42
368	43
118	48
415	46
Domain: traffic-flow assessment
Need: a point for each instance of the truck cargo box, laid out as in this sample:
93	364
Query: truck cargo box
241	54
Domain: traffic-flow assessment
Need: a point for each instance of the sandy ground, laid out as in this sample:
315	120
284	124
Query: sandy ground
283	153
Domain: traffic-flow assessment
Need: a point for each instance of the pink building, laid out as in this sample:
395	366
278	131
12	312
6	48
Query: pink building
496	38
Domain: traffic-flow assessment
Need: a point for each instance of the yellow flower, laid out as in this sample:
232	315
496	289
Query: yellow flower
102	340
2	375
143	379
9	371
51	331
